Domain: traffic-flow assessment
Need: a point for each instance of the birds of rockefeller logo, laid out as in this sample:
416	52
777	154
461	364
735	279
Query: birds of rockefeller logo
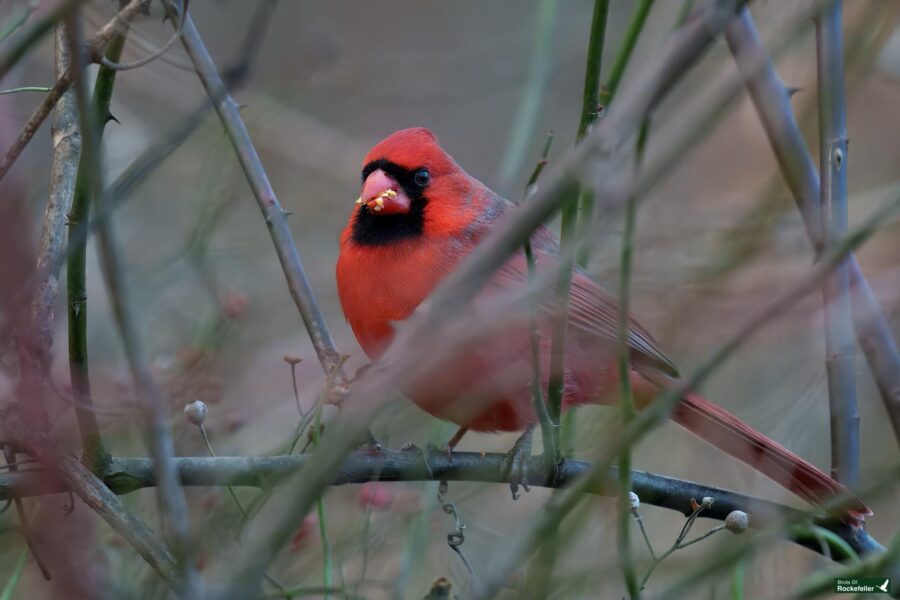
868	585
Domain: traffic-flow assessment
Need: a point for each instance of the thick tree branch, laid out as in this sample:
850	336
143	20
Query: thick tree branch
127	475
777	116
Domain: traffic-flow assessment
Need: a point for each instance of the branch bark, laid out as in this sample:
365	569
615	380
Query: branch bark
94	49
126	475
773	106
274	215
833	161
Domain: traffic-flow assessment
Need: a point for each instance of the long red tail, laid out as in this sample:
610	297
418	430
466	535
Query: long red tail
731	435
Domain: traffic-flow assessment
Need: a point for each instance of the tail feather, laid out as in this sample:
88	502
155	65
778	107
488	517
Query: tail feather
731	435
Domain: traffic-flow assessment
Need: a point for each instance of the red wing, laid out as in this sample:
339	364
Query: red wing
592	310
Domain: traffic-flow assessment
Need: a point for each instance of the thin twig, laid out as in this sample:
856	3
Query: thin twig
833	157
623	57
525	120
24	522
320	507
773	106
26	39
27	88
114	65
548	433
679	541
590	112
626	399
94	49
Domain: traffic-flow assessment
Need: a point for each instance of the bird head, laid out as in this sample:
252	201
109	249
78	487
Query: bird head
409	184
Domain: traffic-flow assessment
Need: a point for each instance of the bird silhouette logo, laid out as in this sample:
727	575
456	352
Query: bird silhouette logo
884	586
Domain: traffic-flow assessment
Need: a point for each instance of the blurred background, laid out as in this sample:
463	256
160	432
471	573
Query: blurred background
715	239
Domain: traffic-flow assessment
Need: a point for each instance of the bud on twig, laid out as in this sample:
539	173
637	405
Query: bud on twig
195	412
635	500
737	521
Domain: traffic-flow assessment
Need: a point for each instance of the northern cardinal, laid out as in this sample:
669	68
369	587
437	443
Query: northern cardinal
419	214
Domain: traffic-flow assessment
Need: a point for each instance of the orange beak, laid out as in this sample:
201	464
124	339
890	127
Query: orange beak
382	195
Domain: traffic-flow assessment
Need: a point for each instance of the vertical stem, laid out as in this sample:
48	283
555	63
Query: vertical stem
625	51
839	343
94	454
170	493
320	512
529	106
548	426
591	107
561	439
590	98
625	396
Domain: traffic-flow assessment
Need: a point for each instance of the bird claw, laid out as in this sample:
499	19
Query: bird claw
370	444
410	447
515	464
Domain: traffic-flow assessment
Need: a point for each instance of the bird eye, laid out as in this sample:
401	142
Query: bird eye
422	177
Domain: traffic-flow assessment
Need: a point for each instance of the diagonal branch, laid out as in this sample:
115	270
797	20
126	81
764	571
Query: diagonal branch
274	215
94	48
774	109
27	38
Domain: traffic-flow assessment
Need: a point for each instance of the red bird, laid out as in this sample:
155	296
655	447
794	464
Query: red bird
418	216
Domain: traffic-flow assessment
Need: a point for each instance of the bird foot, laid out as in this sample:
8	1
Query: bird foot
410	447
370	444
515	464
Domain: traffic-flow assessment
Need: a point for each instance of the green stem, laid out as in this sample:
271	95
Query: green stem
548	426
591	106
529	107
625	51
94	454
590	100
27	88
737	582
320	511
10	588
834	542
626	398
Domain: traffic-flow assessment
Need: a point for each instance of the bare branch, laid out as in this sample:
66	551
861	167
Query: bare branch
274	215
833	159
95	48
126	475
773	106
113	65
26	39
171	496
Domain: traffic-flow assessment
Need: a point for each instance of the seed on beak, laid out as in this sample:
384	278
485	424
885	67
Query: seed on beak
379	204
359	201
